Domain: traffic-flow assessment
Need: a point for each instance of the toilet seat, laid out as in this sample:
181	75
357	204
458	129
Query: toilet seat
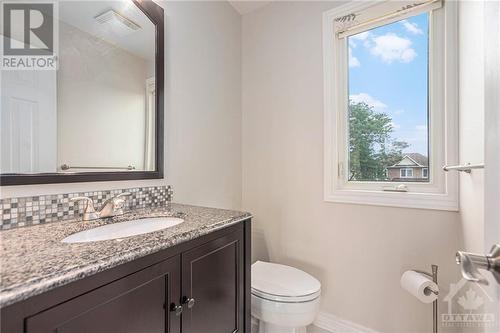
286	299
283	284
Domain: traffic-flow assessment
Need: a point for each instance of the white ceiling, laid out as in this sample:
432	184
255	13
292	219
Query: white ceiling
80	14
245	7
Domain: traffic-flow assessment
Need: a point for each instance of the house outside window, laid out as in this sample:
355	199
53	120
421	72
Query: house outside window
412	165
391	103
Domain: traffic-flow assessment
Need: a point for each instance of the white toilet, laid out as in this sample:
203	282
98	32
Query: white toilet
284	299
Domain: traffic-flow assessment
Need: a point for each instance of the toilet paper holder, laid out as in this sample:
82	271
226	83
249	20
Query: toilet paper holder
434	276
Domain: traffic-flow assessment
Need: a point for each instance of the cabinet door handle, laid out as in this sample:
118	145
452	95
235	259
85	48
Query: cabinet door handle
189	301
176	308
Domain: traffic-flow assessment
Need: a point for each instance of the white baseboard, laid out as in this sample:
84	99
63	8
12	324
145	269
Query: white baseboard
334	324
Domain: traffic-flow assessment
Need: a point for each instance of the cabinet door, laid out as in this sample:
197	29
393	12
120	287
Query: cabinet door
139	302
212	278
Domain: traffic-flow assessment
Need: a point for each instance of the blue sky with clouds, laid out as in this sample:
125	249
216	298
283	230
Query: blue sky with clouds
388	70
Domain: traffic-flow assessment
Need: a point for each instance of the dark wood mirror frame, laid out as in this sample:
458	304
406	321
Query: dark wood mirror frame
155	13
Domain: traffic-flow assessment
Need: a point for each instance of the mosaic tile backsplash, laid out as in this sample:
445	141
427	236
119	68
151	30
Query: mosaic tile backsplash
26	211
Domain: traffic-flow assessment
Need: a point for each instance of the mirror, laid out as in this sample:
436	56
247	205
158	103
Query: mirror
98	116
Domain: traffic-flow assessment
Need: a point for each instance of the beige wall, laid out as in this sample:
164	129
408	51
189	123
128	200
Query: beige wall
358	252
479	128
203	65
203	109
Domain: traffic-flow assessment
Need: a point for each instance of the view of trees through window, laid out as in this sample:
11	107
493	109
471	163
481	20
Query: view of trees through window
388	102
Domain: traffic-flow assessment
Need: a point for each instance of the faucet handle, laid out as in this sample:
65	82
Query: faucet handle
119	201
89	212
114	206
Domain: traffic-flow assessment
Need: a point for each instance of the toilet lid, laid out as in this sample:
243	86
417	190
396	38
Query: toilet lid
283	283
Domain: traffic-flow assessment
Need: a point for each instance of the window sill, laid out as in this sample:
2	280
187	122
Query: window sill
432	201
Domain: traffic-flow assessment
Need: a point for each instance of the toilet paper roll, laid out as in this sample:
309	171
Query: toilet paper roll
419	286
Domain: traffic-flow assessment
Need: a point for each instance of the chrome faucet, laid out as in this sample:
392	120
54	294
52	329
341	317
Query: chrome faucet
110	207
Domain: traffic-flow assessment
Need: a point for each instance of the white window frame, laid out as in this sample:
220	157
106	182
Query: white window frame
441	191
405	172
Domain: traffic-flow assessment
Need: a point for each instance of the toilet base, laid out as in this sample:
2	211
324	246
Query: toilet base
272	328
278	317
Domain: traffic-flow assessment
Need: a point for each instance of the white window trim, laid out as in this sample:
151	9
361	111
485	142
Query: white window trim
441	192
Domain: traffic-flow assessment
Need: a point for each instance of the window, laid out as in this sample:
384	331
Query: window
388	90
406	173
387	76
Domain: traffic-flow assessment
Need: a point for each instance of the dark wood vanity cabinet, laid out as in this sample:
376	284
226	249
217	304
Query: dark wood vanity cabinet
135	303
202	286
212	280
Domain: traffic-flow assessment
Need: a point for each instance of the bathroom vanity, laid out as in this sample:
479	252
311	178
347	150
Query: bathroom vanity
191	277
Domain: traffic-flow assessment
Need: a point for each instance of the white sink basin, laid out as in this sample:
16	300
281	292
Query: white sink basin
123	229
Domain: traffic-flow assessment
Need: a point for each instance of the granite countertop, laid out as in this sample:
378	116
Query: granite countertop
34	260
